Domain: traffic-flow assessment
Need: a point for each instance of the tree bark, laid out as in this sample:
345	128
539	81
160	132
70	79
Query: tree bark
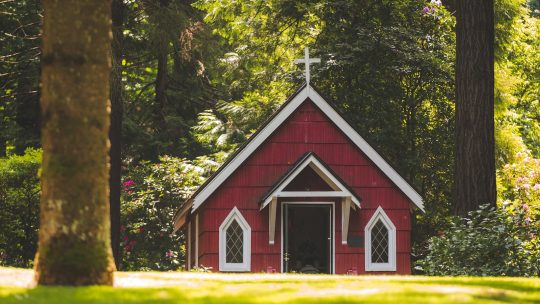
74	235
475	139
115	132
162	81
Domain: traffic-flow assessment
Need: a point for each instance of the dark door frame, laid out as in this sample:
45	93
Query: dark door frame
332	247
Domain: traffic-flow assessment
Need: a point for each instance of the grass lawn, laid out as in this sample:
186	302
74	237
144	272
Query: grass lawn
182	287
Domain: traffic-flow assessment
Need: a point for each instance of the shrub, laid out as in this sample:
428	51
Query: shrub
152	194
19	208
491	242
518	182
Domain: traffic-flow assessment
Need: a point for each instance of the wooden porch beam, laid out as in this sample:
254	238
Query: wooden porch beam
311	194
272	221
345	212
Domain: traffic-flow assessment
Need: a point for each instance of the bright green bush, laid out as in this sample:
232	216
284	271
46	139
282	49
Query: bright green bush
151	195
19	208
491	242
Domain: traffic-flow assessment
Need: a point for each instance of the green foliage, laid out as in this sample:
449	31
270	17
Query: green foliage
19	208
507	12
518	183
389	66
491	242
152	193
262	38
517	82
19	75
165	40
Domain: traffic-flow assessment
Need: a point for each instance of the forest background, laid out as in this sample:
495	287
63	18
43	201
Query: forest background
192	80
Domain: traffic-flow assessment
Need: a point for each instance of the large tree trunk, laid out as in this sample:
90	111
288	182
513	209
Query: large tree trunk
162	81
74	235
475	140
115	133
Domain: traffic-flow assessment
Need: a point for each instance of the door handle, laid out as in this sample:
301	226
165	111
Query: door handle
286	257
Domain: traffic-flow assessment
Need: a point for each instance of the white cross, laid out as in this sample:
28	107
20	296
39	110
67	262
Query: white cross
307	61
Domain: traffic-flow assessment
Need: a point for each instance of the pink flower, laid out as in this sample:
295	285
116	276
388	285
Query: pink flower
525	207
528	220
169	254
128	183
536	187
141	230
526	186
126	238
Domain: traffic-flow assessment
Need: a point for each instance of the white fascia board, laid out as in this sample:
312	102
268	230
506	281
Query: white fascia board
312	161
310	93
250	148
367	149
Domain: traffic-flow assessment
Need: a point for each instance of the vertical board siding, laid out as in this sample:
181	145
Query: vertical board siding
306	130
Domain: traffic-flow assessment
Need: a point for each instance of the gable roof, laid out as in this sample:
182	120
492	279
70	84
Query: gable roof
304	92
312	160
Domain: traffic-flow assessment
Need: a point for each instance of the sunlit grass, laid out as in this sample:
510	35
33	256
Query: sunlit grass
179	287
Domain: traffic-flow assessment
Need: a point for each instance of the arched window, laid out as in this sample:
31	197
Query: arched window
380	243
234	243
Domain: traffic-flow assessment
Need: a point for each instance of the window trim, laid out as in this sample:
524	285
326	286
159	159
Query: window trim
235	214
391	265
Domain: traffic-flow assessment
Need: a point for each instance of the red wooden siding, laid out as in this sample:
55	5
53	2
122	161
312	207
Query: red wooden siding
308	129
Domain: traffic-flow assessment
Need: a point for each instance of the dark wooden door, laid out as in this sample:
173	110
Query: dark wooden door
308	238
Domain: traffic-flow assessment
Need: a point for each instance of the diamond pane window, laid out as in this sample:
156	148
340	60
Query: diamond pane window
379	243
235	243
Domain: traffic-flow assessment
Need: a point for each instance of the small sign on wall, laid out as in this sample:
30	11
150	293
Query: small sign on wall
355	241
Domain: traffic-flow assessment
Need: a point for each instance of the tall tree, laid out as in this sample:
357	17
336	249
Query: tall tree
74	236
115	132
475	140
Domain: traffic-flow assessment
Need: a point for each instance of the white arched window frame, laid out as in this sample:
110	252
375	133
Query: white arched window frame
370	265
245	265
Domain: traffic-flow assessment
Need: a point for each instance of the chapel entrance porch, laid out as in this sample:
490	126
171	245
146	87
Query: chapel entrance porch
308	237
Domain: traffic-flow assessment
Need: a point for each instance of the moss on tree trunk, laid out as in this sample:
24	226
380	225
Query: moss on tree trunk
74	239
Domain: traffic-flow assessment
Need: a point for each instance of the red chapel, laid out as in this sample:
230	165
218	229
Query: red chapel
307	194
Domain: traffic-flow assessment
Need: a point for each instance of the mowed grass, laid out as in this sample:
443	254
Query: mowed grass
182	287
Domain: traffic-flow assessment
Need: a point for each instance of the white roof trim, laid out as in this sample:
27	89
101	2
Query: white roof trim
281	116
326	175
